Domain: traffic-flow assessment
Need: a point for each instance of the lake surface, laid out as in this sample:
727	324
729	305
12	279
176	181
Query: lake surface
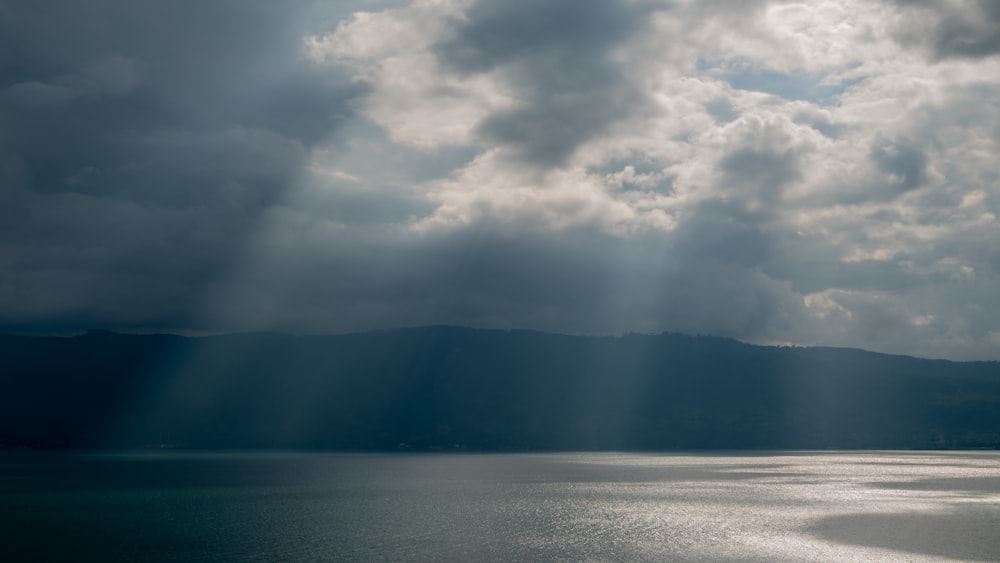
841	506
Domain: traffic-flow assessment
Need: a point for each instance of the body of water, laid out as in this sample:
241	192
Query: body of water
839	506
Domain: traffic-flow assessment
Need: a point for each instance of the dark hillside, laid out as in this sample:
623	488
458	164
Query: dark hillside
446	387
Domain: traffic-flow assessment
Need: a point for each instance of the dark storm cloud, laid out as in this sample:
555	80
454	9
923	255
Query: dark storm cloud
817	269
186	166
139	143
903	161
722	279
713	274
967	29
724	231
92	82
477	276
901	165
575	281
760	175
557	57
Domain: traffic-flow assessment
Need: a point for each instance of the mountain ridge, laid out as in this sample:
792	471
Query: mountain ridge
447	387
389	330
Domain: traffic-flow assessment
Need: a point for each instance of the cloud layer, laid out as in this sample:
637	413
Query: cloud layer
813	172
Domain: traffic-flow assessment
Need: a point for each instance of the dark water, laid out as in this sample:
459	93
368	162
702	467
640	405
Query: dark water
923	506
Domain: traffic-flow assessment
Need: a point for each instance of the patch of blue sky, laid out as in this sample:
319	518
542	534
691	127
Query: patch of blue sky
815	87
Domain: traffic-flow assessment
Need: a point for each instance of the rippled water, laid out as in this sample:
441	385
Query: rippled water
913	506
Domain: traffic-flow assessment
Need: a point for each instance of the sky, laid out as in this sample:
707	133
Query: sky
802	173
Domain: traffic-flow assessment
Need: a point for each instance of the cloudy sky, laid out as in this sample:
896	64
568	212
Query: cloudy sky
812	173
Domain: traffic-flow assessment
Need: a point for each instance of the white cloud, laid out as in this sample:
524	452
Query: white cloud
814	171
414	99
863	166
107	77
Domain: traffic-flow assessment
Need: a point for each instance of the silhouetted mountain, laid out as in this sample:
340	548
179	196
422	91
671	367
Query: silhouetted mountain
446	387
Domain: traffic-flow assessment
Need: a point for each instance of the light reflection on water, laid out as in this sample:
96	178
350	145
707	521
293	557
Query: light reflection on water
915	506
